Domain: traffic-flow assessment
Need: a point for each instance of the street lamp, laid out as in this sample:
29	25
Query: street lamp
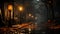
10	9
20	8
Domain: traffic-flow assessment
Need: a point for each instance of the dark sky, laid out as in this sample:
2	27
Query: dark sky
57	8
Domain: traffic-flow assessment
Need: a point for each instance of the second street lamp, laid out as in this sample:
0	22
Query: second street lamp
10	9
20	10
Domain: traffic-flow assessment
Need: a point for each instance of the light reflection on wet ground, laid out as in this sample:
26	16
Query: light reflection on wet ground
25	28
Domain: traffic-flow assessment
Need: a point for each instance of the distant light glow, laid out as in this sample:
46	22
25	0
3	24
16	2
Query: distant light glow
30	15
29	29
37	0
35	17
21	33
15	32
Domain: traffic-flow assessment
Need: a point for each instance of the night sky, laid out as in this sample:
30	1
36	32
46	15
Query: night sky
57	8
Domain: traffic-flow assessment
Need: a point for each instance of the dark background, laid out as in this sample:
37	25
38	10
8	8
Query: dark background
55	14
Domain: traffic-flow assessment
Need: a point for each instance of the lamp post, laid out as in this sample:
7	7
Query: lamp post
10	9
21	10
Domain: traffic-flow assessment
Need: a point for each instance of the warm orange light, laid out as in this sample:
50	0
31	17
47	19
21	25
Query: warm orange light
20	8
10	7
30	15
